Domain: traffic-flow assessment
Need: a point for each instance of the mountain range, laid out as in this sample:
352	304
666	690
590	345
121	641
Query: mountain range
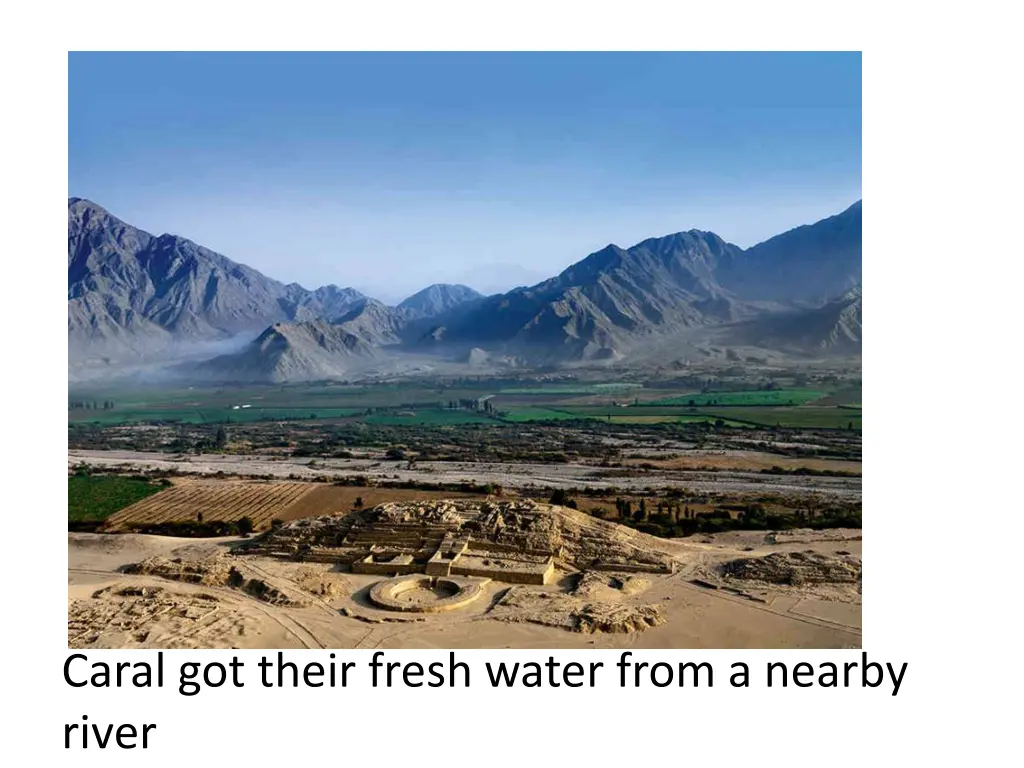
138	299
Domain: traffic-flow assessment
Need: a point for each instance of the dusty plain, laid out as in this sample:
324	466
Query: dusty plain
109	608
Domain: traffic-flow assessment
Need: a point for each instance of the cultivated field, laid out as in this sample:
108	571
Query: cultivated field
216	501
753	397
262	502
94	499
831	402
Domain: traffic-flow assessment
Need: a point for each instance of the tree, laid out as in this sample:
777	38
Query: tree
222	437
358	503
245	526
559	497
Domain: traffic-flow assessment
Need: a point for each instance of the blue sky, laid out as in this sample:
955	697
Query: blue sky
389	171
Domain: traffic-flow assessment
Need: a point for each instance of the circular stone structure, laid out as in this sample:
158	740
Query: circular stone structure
426	594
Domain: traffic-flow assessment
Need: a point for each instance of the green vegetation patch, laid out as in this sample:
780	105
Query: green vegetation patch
216	415
95	498
807	417
542	414
748	398
610	388
440	417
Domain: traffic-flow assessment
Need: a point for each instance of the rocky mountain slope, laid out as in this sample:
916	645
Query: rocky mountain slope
834	328
809	263
617	299
310	350
438	299
131	294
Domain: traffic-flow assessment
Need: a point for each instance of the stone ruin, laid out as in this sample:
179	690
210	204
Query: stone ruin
215	572
795	569
518	542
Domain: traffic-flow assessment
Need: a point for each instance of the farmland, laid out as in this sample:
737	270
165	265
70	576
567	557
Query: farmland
783	451
757	397
521	414
215	501
610	388
739	416
206	502
94	499
427	417
485	401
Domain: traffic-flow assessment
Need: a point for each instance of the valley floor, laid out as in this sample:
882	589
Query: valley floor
741	472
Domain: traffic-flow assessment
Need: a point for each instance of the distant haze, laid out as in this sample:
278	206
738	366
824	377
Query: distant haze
389	172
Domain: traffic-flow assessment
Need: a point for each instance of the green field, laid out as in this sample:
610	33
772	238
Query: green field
93	499
825	417
611	388
431	418
212	415
748	398
640	418
214	406
541	414
425	404
808	416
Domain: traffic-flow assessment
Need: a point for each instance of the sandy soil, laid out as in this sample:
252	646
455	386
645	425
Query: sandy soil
262	501
748	460
326	499
108	608
507	475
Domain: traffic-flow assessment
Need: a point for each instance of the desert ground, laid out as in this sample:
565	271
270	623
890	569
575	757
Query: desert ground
133	590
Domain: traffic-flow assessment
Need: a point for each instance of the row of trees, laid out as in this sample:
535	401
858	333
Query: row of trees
90	405
470	404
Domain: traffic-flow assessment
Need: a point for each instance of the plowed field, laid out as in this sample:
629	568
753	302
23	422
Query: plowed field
226	501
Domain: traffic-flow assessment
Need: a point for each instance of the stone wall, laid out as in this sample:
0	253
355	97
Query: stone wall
519	573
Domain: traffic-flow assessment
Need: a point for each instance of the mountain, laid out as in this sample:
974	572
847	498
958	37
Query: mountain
132	294
310	350
438	299
617	299
599	306
831	329
809	263
374	322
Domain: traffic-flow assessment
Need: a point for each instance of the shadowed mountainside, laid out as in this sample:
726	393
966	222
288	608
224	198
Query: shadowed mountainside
132	295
